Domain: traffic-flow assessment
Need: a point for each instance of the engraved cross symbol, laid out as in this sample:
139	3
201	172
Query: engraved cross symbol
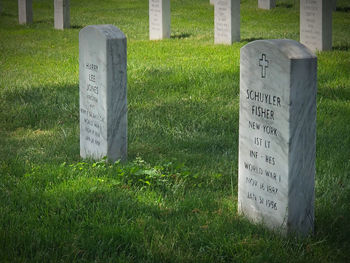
263	63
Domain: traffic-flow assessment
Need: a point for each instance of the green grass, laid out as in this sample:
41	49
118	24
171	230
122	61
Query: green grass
176	198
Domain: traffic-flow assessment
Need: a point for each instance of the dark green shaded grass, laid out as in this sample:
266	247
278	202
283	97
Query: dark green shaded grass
180	203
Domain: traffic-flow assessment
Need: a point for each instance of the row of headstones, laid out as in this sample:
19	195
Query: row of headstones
277	124
315	22
270	4
227	20
277	128
61	13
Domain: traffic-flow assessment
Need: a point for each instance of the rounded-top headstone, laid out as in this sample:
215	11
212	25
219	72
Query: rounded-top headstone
316	24
159	19
25	12
61	14
227	21
103	92
277	134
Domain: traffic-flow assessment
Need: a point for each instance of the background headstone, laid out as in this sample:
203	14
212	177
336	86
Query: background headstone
316	24
159	19
62	16
103	92
277	135
212	2
266	4
334	5
25	11
226	21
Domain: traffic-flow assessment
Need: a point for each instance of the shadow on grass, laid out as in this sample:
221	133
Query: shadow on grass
285	5
339	93
204	133
182	118
191	118
77	26
39	107
341	48
251	39
44	21
180	35
85	217
332	174
344	9
6	14
38	123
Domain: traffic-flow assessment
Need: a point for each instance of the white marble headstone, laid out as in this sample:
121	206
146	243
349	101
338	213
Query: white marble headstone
25	11
277	135
103	92
62	16
316	24
226	21
266	4
159	19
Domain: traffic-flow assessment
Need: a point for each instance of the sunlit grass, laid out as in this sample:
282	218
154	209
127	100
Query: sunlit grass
175	200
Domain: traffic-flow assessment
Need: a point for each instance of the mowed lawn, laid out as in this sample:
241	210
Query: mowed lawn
175	200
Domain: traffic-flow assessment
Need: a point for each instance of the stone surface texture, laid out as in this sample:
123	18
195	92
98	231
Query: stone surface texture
103	92
226	21
277	135
159	19
266	4
316	24
25	11
62	14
